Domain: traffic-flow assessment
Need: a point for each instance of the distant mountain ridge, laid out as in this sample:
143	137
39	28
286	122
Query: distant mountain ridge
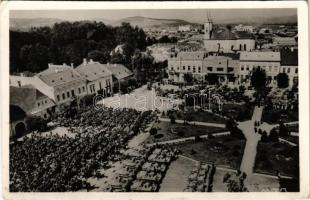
146	22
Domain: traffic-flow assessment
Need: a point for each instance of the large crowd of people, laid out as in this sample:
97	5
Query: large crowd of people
54	162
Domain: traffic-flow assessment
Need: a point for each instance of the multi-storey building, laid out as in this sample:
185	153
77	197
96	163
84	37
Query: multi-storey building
61	83
268	61
201	66
98	76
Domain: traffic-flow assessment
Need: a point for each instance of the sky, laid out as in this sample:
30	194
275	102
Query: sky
193	15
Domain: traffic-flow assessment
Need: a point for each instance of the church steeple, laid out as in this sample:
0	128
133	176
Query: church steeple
208	25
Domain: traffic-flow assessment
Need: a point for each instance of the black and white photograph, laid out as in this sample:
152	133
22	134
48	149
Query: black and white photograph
155	100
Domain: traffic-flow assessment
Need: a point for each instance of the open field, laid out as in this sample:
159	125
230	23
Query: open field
277	156
224	151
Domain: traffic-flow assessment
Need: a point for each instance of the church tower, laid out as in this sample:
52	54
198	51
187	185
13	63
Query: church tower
208	28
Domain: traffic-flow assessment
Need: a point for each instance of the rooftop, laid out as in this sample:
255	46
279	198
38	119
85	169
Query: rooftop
191	55
58	74
93	70
224	33
260	56
25	97
119	71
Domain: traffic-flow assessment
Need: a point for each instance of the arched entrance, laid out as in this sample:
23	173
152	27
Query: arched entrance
20	130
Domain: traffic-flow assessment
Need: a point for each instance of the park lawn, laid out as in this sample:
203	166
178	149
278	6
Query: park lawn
273	116
293	128
273	156
229	156
294	139
240	112
201	116
180	131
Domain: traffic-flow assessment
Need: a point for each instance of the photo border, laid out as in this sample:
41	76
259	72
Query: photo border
302	12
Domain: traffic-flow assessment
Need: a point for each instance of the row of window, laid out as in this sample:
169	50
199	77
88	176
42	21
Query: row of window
69	94
270	69
92	86
210	69
247	68
42	102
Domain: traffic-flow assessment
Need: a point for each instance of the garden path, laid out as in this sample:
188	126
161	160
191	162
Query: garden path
252	138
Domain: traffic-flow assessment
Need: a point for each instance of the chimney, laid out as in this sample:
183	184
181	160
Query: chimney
84	61
292	49
50	65
22	74
91	61
71	64
63	64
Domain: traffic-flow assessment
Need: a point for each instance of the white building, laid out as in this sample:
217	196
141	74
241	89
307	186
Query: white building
221	39
268	61
32	101
59	82
98	76
184	28
284	41
201	66
242	27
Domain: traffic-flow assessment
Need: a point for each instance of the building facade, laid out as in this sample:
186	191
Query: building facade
201	66
268	61
98	76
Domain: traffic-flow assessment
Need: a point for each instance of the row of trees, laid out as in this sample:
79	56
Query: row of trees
259	79
68	42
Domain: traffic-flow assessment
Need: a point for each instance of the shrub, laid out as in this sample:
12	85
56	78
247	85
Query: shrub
157	136
273	136
181	133
226	177
197	138
235	153
193	152
36	123
283	131
153	131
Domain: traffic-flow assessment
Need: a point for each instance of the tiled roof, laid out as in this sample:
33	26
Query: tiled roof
289	57
25	97
58	75
119	71
223	33
260	56
284	41
192	55
93	70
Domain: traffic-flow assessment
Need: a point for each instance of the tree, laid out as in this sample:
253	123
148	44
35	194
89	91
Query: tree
283	131
188	77
99	56
172	117
36	123
282	80
258	79
153	131
264	137
273	135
